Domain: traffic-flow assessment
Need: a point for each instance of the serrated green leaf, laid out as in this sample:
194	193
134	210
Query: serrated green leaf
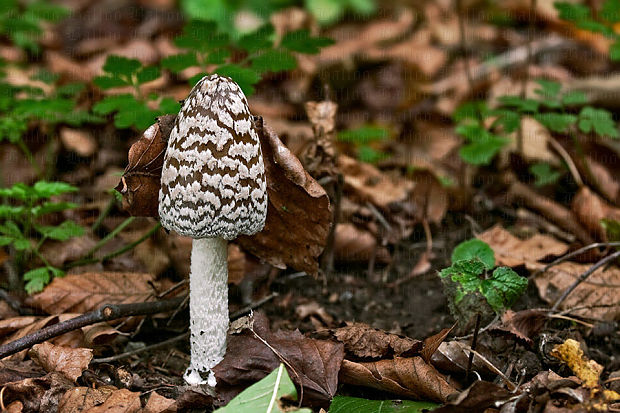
274	61
51	207
544	174
62	232
345	404
44	189
264	395
557	122
548	88
139	116
178	62
109	82
574	98
482	151
474	248
503	288
301	41
244	77
524	105
571	11
470	110
599	120
364	134
261	39
147	74
121	66
37	279
168	105
11	229
508	119
11	211
111	104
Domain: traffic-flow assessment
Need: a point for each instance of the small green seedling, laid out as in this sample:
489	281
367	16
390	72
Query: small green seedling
130	109
362	139
205	47
22	212
472	282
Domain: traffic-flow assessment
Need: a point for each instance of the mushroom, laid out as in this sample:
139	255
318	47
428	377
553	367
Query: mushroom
213	188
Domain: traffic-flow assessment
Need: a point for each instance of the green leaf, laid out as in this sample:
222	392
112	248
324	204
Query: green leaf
595	27
368	154
71	89
147	74
599	120
467	274
612	228
364	134
202	36
51	207
508	119
119	65
483	150
62	232
301	41
614	51
37	279
261	39
274	61
325	11
363	7
218	12
474	248
574	98
169	105
109	82
178	62
44	10
345	404
524	105
264	396
44	189
557	122
114	103
544	174
11	211
503	288
245	78
610	11
548	88
571	11
470	110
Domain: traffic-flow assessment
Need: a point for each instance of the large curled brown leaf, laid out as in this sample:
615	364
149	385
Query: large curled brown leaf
312	364
298	217
407	377
361	340
69	361
80	293
39	394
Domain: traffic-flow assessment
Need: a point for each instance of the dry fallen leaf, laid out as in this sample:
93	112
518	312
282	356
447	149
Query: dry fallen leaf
80	399
40	394
477	398
362	341
119	401
352	244
512	251
406	377
524	325
69	361
79	141
80	293
590	209
312	364
158	404
597	297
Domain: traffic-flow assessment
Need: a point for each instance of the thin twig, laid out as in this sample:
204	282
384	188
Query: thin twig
106	312
575	253
584	276
474	342
491	367
126	354
572	168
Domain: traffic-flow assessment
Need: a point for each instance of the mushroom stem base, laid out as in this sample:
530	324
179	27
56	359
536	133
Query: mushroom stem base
208	308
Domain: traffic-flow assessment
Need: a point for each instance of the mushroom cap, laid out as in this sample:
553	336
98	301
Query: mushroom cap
213	178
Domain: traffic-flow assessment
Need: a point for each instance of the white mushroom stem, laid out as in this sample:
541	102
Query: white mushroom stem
208	308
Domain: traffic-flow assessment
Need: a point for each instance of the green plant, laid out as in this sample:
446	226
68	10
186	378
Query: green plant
21	22
330	11
266	395
485	129
604	21
472	270
362	139
24	105
21	214
544	174
345	404
206	46
129	109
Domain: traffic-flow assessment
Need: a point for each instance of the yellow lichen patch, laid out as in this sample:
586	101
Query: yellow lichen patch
570	353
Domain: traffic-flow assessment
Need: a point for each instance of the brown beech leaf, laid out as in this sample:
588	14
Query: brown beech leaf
476	398
453	356
597	297
157	404
119	401
352	244
80	293
80	399
362	341
312	364
512	251
27	329
13	324
590	209
407	377
429	197
524	325
69	361
141	180
298	216
40	394
432	343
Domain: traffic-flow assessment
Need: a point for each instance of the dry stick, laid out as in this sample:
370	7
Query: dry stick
573	254
584	276
526	76
511	386
106	312
572	168
140	350
474	342
327	261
